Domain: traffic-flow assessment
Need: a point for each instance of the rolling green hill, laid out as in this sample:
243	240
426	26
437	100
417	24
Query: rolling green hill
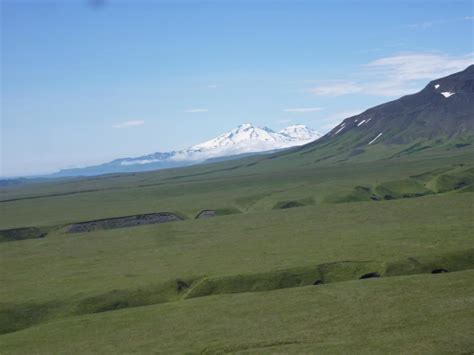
335	247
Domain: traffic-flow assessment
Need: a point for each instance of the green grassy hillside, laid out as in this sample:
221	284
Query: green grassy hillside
414	314
278	269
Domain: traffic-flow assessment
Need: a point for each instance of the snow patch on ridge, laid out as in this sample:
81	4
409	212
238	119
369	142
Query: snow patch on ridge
340	129
447	93
373	140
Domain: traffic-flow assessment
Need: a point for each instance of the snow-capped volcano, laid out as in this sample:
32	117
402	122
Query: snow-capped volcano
248	138
244	139
300	132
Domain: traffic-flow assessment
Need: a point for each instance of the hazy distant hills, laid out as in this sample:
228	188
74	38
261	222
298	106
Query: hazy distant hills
242	141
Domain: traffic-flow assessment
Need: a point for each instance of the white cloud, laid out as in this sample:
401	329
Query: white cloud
406	73
397	75
303	109
421	26
212	86
336	88
129	124
420	66
390	88
446	21
196	110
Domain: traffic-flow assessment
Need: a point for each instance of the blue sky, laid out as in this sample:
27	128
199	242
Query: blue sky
87	82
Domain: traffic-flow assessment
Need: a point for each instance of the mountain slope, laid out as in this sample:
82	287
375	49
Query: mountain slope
241	141
441	116
441	113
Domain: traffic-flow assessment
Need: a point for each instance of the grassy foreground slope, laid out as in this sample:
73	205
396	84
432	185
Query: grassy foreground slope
165	287
412	314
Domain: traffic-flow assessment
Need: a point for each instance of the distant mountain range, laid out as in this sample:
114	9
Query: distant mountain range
244	140
441	116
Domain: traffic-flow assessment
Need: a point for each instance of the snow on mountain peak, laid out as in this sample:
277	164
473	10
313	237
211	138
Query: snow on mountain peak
300	132
246	125
244	139
246	132
248	138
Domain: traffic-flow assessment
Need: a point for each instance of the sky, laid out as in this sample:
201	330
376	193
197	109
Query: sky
85	82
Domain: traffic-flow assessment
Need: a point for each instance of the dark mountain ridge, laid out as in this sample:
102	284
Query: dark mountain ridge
444	108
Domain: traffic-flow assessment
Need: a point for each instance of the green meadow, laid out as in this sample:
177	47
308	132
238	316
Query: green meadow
305	254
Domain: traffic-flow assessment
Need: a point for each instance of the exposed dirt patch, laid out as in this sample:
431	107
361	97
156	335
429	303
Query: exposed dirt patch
206	214
181	285
412	195
291	204
370	275
123	222
12	235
